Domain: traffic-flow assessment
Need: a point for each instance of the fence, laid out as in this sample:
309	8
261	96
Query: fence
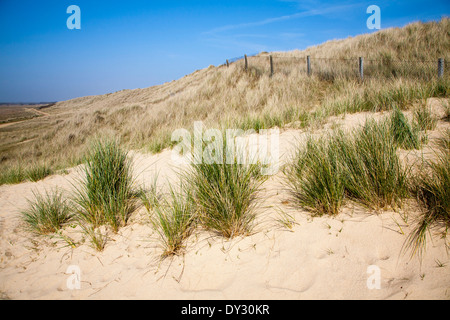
329	68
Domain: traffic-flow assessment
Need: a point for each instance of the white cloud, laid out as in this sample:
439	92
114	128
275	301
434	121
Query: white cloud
303	14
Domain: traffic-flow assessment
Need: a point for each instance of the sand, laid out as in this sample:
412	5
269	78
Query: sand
317	258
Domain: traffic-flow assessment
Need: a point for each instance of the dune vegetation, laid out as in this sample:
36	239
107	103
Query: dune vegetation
363	166
145	118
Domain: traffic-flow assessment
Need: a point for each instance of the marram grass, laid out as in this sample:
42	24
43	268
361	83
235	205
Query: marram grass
316	177
375	176
47	213
226	193
105	195
19	173
143	117
405	135
362	166
424	119
432	189
172	217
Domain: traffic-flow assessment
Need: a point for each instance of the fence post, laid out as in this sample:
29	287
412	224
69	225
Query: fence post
440	67
308	65
361	68
271	65
228	64
246	63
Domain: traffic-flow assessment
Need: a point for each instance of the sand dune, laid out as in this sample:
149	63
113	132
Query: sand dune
319	258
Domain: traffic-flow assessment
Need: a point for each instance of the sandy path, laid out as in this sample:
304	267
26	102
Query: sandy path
4	125
38	112
319	258
31	110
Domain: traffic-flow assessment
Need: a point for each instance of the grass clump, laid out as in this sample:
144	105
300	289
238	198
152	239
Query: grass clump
98	236
406	135
362	166
105	195
316	177
160	142
374	174
18	174
226	196
13	175
172	216
226	192
433	193
424	119
47	213
38	172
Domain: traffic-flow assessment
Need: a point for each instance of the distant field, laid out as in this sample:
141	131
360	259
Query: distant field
17	112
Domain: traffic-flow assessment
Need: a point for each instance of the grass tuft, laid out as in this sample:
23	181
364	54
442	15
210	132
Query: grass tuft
47	213
13	175
362	166
172	216
18	174
38	172
406	136
226	193
105	194
424	119
316	177
375	176
433	193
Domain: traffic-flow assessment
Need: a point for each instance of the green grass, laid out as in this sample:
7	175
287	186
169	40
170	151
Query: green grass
432	189
362	166
161	141
105	195
13	175
38	172
226	193
316	177
19	174
47	213
381	98
97	235
374	101
424	119
172	216
375	176
220	197
404	134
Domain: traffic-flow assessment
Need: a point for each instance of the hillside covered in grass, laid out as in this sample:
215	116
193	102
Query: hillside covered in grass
363	181
236	98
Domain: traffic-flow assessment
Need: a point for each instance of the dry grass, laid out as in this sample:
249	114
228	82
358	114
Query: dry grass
230	97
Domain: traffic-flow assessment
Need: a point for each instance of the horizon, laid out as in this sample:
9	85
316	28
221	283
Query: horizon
138	44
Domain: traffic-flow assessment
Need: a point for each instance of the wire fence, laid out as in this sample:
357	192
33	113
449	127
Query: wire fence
330	69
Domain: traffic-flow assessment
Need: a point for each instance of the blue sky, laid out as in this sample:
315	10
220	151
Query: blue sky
136	44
